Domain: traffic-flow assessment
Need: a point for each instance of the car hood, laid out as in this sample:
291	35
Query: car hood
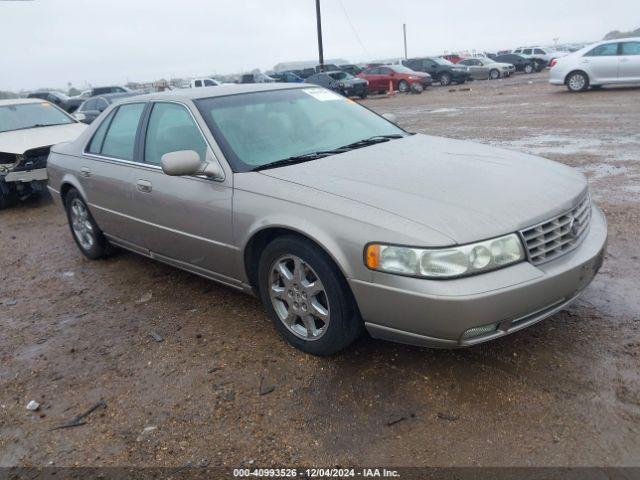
19	141
467	191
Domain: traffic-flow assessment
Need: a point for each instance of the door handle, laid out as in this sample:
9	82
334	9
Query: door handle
85	172
144	186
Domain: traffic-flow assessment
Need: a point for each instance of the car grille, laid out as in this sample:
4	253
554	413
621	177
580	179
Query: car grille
558	236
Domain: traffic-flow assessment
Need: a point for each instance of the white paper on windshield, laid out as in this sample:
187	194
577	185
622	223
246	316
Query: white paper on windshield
322	94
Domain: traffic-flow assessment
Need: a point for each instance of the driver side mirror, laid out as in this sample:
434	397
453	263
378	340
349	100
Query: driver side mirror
188	162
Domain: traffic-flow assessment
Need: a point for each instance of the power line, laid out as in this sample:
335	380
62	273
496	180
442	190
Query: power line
354	29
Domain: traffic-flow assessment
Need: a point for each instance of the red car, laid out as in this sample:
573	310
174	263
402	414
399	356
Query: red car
453	58
401	77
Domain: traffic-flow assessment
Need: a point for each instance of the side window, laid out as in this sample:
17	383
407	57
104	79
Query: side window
171	128
606	50
89	105
96	142
208	83
198	83
385	71
631	48
538	51
428	64
120	140
527	51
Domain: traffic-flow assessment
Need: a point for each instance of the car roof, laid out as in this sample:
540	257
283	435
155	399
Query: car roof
115	96
218	91
19	101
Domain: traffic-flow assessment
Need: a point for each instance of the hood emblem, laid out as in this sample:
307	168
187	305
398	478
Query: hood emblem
574	227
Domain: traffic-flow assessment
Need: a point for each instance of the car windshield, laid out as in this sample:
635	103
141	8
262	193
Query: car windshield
401	69
260	128
31	115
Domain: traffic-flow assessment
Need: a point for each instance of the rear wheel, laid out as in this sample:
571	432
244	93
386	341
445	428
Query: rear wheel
86	233
577	81
494	74
307	297
445	79
528	68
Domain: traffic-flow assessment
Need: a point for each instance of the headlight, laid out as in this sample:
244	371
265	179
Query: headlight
445	262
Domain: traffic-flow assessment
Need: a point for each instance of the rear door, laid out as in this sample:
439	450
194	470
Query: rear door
601	63
106	171
629	62
183	220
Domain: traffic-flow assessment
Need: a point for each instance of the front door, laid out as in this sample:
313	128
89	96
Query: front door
185	220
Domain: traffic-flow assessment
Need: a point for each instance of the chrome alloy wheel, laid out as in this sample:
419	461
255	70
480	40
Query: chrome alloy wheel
576	82
299	298
81	225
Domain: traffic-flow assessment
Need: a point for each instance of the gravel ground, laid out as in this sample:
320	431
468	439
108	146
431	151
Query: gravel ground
224	389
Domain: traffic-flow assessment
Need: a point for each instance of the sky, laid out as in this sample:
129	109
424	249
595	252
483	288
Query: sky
50	43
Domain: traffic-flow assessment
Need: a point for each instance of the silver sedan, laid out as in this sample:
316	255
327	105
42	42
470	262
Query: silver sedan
485	68
338	219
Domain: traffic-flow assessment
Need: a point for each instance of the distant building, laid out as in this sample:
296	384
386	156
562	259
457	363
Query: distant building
284	66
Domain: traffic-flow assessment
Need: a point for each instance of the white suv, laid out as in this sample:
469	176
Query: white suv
546	54
608	62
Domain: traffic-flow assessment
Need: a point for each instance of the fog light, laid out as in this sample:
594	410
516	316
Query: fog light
479	331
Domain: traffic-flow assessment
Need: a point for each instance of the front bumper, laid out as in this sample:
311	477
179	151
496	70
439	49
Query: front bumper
437	313
26	176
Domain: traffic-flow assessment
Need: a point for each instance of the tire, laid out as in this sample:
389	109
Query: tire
528	68
494	74
291	299
403	86
577	81
363	95
444	79
84	229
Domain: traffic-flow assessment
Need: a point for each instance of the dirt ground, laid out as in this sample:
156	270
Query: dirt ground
224	389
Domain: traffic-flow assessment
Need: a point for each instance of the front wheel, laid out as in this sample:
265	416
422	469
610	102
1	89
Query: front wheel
307	297
494	74
577	82
528	68
86	233
403	86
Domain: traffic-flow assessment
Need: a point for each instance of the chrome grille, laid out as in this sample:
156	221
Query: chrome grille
557	236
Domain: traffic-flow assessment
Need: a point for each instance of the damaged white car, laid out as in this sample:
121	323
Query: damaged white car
28	128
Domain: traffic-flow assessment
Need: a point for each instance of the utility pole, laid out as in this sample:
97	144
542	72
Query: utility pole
319	22
404	32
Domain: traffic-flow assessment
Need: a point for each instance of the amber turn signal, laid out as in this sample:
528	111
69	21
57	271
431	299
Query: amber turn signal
373	256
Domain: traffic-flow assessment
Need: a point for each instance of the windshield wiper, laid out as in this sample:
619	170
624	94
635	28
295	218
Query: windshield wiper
370	141
325	153
293	160
38	125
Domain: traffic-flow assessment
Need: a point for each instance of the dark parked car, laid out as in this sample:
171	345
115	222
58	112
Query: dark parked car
287	77
306	72
522	64
94	106
401	78
341	82
66	103
443	71
351	69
